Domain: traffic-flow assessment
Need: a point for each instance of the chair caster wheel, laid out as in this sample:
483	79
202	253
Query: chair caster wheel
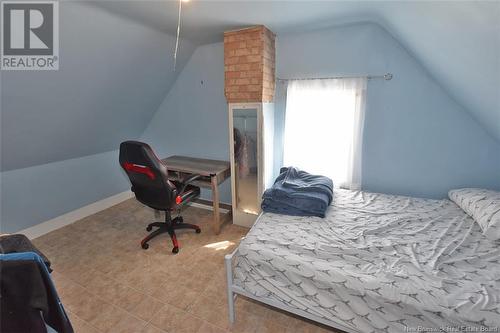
175	250
145	246
198	231
149	228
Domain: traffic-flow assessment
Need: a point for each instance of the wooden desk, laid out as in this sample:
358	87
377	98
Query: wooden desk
212	172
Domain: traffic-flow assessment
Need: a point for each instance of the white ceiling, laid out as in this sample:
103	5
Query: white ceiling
457	41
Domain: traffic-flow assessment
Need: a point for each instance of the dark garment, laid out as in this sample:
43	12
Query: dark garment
20	243
28	299
297	192
238	144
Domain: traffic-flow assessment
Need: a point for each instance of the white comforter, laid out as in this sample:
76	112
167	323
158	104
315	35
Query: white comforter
376	263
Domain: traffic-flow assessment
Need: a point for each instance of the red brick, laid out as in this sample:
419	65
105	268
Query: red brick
233	75
249	65
242	52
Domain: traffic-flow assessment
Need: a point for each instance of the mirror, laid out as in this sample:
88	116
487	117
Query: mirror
245	160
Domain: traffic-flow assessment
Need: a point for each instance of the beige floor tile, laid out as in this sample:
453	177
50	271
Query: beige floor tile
86	306
41	244
80	274
304	326
167	318
109	284
147	308
206	301
129	324
269	326
211	310
281	318
73	301
120	264
113	292
218	296
66	287
209	328
60	280
177	295
108	317
150	328
145	281
129	299
197	282
98	282
189	324
80	326
247	305
245	323
172	319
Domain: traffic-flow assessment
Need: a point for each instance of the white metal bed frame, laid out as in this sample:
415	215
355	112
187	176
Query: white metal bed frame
233	291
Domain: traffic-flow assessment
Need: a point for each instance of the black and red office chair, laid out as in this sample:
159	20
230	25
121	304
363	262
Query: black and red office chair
150	184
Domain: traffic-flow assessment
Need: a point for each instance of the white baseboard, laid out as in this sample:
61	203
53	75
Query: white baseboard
75	215
80	213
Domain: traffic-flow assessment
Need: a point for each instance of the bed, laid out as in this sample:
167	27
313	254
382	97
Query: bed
375	263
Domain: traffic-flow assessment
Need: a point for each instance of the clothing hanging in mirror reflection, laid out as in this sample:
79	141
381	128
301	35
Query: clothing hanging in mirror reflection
245	137
244	152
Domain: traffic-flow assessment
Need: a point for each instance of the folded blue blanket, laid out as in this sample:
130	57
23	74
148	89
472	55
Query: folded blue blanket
301	181
297	192
272	206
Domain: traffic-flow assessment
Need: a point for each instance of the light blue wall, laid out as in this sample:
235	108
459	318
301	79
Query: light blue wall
37	194
418	141
193	118
459	42
113	75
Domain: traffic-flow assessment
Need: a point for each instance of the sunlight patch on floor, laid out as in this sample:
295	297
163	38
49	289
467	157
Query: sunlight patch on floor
219	245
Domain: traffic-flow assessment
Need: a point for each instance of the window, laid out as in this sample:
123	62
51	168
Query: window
323	128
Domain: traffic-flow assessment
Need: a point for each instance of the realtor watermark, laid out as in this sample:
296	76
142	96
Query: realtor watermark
30	35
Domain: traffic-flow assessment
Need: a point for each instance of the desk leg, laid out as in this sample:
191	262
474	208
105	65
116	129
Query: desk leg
215	201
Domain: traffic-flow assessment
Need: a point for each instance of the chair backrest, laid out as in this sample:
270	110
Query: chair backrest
148	175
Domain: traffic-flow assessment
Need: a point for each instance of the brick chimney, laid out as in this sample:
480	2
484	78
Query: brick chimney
249	57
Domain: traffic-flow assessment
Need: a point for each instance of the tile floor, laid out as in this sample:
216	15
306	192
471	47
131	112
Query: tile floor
107	283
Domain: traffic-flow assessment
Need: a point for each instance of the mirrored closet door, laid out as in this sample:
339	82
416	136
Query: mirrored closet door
248	141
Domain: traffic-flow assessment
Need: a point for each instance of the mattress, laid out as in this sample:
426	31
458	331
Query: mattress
376	263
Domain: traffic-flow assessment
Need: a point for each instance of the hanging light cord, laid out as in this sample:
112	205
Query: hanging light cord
178	34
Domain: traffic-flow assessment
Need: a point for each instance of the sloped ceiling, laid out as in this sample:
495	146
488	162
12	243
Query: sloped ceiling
116	64
457	41
114	73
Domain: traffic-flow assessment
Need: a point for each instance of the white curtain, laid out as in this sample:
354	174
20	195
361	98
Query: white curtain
324	128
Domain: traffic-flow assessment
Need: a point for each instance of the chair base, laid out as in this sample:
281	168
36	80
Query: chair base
169	226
